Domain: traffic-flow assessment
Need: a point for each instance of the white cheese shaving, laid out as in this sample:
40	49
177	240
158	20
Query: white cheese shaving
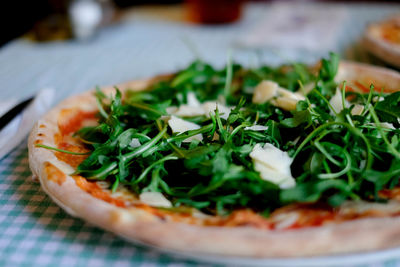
155	199
211	106
337	103
187	111
385	125
195	108
256	128
265	91
306	88
171	110
273	165
192	100
357	109
285	220
378	98
286	103
192	108
135	143
178	125
278	96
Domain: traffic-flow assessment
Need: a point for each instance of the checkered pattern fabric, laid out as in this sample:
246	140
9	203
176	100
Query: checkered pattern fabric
36	232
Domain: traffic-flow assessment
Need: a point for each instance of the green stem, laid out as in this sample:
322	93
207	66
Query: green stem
354	130
63	151
220	126
190	133
147	170
236	130
146	146
146	107
383	134
101	109
228	79
325	100
340	173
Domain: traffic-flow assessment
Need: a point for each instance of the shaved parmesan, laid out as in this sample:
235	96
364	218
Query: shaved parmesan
265	91
187	111
211	106
171	110
155	199
178	125
192	100
337	103
285	220
286	103
357	109
273	165
134	143
306	88
385	125
378	98
271	91
195	108
256	128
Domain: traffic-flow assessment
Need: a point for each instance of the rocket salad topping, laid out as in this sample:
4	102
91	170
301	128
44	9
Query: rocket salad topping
219	140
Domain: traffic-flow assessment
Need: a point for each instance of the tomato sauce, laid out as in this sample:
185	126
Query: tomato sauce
71	120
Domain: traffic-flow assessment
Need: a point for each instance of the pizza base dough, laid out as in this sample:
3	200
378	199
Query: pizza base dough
139	226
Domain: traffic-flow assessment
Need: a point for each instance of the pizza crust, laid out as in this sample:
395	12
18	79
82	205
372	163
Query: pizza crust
137	225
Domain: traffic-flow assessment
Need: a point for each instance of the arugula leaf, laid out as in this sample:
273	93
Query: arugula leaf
312	191
388	110
329	67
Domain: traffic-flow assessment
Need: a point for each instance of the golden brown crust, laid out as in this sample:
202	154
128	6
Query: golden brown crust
141	225
54	174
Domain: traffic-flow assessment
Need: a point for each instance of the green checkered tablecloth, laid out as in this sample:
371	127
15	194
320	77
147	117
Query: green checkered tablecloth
36	232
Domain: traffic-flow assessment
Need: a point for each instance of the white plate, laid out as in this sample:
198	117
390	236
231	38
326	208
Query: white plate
367	258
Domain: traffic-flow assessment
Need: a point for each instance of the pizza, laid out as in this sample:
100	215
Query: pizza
382	39
291	161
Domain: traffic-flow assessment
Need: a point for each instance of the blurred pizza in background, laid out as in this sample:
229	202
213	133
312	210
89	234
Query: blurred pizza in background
382	39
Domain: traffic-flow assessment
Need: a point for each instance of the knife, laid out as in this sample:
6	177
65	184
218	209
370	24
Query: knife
16	123
13	112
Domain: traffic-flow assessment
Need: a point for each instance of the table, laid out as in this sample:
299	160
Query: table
36	232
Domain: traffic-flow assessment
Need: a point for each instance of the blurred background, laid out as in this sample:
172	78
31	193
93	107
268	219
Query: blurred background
44	20
74	45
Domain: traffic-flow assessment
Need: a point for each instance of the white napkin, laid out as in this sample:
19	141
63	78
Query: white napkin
296	26
16	131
